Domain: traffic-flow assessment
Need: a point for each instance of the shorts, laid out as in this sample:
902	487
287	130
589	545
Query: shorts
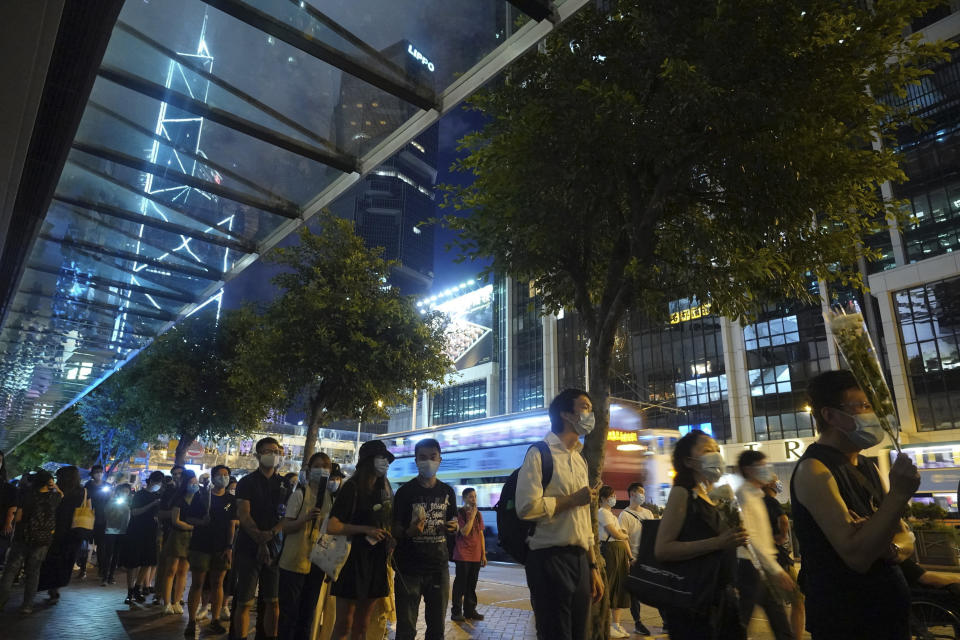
249	572
207	561
177	544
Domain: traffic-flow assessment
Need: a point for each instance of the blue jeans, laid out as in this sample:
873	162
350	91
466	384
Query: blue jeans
22	554
435	590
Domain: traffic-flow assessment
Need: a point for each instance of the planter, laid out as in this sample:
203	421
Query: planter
937	547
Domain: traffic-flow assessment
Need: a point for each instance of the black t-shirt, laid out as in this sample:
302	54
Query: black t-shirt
266	497
145	523
168	498
214	537
8	498
351	508
427	552
774	511
99	497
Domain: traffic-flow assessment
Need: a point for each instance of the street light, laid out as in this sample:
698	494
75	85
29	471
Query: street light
356	449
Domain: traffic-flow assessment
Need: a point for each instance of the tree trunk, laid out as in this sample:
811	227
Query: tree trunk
313	430
180	456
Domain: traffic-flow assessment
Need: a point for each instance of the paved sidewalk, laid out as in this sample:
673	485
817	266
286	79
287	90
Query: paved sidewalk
87	611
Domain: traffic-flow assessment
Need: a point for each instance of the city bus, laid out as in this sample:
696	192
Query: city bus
483	453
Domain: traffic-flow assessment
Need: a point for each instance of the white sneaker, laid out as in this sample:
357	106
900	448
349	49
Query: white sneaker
225	614
202	613
622	630
168	610
616	632
178	609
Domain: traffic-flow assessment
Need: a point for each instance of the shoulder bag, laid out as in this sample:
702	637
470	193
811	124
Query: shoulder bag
330	553
83	518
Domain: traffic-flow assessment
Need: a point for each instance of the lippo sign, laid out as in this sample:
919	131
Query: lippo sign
420	58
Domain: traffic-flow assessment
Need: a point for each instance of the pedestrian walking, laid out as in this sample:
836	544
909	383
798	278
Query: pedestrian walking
615	547
300	580
116	520
761	585
692	527
214	516
780	525
35	523
138	548
561	569
469	555
425	512
847	524
630	522
260	505
58	565
362	511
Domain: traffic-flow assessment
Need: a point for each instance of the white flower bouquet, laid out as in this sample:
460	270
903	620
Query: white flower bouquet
850	332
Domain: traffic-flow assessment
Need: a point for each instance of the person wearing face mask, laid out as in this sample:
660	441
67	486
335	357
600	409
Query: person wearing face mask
139	547
754	582
780	525
213	513
300	580
362	511
425	511
693	527
614	545
168	496
260	506
336	480
469	555
176	545
631	522
100	494
561	569
117	518
848	522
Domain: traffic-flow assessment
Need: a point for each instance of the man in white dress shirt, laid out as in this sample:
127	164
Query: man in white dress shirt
561	569
630	522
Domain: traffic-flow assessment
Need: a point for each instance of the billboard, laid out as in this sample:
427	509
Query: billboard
470	328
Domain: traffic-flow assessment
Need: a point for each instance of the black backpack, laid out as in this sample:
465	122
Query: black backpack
512	531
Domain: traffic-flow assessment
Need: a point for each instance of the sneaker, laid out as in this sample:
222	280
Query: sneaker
25	610
168	610
178	608
621	629
103	582
616	633
457	617
202	613
191	630
225	614
641	629
138	595
216	628
474	616
111	581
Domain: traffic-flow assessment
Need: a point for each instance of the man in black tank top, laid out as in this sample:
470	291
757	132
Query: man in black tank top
851	536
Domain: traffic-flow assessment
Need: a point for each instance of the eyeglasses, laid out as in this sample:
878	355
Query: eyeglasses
860	406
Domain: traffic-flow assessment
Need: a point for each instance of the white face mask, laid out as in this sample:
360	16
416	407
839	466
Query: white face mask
763	473
612	502
637	498
316	475
269	460
868	432
333	485
380	465
711	466
584	422
221	481
154	488
428	468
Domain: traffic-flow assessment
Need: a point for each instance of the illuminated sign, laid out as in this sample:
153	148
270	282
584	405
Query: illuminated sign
792	448
615	435
686	315
420	57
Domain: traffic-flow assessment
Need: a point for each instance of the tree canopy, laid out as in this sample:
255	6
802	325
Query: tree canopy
338	341
61	441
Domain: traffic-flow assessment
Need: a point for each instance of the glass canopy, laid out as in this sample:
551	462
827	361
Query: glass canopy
214	129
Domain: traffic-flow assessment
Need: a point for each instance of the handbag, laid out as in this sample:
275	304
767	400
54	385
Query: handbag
330	552
83	518
689	585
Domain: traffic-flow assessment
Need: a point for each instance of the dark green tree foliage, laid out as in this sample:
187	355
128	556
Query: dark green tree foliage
718	150
110	419
337	341
60	441
182	384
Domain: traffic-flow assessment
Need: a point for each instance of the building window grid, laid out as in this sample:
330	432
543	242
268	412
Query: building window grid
467	401
929	321
528	333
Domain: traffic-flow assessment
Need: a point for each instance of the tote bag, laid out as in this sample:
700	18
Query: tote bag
330	552
83	518
690	585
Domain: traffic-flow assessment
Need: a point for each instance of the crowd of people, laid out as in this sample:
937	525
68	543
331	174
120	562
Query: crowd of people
246	545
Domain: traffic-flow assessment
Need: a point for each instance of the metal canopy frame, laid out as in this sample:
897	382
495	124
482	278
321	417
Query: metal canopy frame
109	282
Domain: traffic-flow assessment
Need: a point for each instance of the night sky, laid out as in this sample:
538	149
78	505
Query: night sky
253	284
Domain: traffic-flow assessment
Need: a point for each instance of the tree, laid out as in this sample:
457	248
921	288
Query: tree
182	383
111	419
720	151
60	441
338	341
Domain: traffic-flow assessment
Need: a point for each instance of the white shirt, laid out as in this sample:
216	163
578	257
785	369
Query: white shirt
605	517
538	503
757	523
630	524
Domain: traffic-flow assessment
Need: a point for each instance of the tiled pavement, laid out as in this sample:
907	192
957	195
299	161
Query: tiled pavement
87	611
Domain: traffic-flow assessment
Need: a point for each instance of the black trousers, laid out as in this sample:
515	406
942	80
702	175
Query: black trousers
108	555
298	595
559	582
753	592
465	587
